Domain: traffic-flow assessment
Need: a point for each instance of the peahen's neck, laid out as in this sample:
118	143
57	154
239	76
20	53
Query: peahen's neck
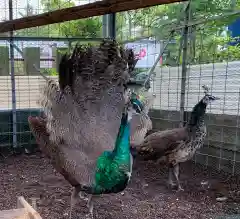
197	116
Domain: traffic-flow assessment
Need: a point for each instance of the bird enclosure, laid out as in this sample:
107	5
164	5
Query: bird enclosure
177	43
180	45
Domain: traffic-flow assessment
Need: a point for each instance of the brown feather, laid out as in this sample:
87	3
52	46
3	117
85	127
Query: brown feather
141	123
83	111
38	128
162	143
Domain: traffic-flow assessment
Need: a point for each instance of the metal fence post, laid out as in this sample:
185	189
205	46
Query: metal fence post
112	25
14	114
109	25
184	65
105	25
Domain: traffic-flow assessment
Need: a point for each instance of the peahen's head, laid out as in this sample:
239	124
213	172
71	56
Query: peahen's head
141	123
208	98
199	109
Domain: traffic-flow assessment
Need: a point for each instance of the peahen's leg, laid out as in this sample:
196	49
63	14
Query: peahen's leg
170	176
176	174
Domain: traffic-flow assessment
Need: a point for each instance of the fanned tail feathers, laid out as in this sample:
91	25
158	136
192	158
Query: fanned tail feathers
84	109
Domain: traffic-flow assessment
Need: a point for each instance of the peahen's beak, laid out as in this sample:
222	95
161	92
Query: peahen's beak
216	98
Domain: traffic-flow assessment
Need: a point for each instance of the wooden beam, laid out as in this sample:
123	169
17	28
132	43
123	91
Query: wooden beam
32	213
78	12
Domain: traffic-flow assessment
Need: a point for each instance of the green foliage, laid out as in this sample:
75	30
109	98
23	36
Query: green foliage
230	53
204	40
90	27
34	31
52	72
49	71
158	21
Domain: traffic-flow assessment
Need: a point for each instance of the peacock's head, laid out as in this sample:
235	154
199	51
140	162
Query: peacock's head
208	98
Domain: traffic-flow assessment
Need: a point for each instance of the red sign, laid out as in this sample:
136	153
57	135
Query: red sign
141	54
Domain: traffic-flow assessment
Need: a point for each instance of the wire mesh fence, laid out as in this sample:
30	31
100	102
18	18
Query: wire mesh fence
45	55
211	58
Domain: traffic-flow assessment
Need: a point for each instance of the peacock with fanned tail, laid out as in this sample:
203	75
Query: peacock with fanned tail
79	130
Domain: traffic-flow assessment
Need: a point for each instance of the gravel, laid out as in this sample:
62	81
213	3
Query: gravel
147	195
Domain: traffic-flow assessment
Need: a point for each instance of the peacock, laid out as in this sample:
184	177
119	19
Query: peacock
85	127
180	144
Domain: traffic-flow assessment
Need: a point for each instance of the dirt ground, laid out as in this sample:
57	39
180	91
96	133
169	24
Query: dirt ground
146	197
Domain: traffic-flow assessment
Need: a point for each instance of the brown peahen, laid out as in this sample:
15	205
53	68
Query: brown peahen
85	128
180	144
141	123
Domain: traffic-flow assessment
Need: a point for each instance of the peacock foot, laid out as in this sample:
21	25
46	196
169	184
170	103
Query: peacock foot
89	216
171	184
81	195
180	188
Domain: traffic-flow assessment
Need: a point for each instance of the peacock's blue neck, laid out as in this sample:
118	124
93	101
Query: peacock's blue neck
113	166
122	145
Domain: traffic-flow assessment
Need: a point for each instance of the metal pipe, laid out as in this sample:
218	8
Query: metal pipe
105	26
14	114
112	25
184	65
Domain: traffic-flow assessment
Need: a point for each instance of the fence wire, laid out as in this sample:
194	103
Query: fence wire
212	59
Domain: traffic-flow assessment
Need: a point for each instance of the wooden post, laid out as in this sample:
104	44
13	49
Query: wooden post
4	61
22	203
58	54
31	57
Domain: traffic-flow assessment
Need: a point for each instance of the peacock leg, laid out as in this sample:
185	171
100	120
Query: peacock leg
170	175
131	166
133	151
90	207
81	195
73	202
176	174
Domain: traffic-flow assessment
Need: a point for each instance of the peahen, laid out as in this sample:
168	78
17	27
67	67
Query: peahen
141	123
180	144
80	131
